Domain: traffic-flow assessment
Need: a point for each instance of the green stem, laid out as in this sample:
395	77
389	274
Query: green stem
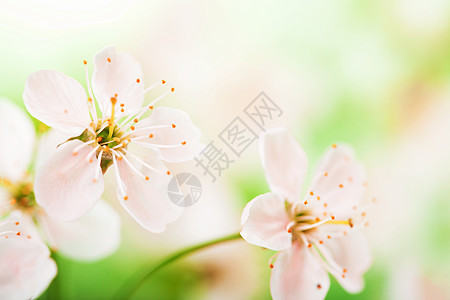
126	292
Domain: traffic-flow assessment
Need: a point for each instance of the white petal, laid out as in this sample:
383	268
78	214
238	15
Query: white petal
26	269
264	222
92	237
284	161
147	200
64	185
117	77
352	253
339	181
47	146
296	274
184	137
58	101
17	135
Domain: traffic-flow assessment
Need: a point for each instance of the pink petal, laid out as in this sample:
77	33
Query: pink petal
94	236
147	200
15	155
26	269
352	253
296	274
117	73
65	186
284	161
58	101
339	182
264	222
180	134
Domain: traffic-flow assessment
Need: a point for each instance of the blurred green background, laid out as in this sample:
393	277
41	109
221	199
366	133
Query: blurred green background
374	74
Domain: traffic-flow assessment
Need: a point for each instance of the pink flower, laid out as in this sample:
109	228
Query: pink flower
70	183
317	234
26	268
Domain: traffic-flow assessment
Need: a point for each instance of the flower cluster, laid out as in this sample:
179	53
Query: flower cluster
26	228
51	186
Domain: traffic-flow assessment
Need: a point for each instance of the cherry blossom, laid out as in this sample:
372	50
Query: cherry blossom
71	182
318	234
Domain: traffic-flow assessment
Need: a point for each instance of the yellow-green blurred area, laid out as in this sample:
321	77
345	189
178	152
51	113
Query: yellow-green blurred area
373	74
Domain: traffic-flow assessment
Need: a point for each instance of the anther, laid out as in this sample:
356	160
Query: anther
271	266
147	178
168	172
122	105
138	80
325	205
363	214
350	222
328	236
29	237
344	270
135	120
18	233
317	219
319	286
150	135
132	127
311	193
289	230
173	125
163	81
326	174
183	143
99	139
172	90
150	107
17	223
306	202
108	59
309	245
341	186
125	198
334	146
318	197
321	242
85	62
122	110
343	276
333	217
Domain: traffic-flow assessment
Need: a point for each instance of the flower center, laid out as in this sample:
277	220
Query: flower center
22	196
